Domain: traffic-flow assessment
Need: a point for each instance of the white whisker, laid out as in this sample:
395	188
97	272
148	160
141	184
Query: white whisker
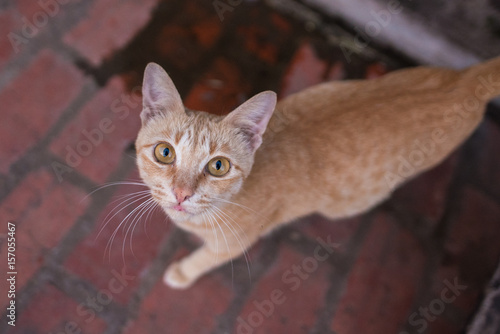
110	184
243	207
205	221
132	200
225	240
110	242
238	239
135	220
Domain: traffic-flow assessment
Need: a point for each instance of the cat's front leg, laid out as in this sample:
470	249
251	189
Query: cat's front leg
182	274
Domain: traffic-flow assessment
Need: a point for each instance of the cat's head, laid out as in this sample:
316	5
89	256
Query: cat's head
192	160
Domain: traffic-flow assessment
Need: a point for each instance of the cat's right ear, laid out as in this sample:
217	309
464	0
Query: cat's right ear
159	95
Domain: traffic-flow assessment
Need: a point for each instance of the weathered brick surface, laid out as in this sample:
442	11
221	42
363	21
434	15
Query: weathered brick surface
425	196
35	11
305	70
443	326
184	41
121	20
289	297
375	70
165	310
32	106
43	228
217	65
94	142
43	212
51	311
132	249
220	90
7	25
26	198
488	165
23	21
336	71
340	231
472	236
382	284
463	300
264	41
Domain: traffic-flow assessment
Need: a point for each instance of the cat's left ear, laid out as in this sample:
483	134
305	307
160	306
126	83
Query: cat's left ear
252	117
159	95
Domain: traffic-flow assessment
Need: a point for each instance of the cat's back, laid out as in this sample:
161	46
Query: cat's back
361	114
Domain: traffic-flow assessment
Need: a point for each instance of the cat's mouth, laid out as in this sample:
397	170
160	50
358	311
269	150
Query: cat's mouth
179	207
181	210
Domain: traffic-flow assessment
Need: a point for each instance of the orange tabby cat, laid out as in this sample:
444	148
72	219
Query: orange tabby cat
337	148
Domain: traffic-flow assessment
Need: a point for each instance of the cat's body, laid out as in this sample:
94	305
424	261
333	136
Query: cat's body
337	148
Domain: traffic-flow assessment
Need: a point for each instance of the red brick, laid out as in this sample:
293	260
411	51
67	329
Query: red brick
184	41
382	284
207	31
26	198
375	70
473	243
305	70
111	24
51	311
489	163
43	211
280	23
43	228
256	40
175	43
336	72
468	299
8	24
98	160
182	311
444	326
94	261
52	84
454	315
32	9
300	299
39	18
220	90
340	230
264	40
425	195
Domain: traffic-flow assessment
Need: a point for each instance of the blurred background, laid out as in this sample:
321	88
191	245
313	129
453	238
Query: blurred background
70	76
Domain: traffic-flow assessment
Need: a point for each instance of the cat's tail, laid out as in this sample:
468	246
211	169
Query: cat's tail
484	79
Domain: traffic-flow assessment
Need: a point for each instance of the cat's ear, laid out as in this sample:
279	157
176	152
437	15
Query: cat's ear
159	95
252	117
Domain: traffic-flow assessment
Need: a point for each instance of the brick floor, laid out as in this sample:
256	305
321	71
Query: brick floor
73	87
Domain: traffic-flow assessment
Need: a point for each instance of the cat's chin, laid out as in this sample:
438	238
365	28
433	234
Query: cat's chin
180	216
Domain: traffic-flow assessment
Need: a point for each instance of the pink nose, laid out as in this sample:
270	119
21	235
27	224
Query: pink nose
182	194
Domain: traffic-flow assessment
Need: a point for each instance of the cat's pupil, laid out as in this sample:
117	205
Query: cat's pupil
218	164
166	152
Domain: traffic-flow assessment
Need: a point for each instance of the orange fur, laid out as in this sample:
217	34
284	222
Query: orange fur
337	148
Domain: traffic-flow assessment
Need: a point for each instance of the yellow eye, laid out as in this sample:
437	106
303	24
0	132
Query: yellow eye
218	166
164	153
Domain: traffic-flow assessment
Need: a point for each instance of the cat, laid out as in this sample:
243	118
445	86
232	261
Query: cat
337	148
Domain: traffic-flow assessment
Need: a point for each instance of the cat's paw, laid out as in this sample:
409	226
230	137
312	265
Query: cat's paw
175	278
